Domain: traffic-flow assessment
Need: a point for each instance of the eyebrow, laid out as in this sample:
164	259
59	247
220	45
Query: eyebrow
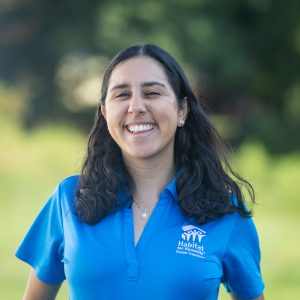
144	84
120	86
151	83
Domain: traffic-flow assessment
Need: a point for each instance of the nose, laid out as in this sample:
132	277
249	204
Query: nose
136	105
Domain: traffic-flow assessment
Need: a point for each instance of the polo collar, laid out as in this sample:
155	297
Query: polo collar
171	187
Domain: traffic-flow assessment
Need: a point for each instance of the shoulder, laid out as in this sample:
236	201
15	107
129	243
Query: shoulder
241	232
230	226
237	223
65	190
228	221
234	228
69	183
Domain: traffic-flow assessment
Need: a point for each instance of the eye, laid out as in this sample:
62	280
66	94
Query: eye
122	95
152	94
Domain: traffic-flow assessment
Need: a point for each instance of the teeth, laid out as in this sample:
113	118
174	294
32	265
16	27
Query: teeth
140	128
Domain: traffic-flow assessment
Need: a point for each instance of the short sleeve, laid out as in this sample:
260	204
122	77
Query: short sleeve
43	245
241	261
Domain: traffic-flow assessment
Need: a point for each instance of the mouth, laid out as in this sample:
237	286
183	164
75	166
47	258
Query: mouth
140	128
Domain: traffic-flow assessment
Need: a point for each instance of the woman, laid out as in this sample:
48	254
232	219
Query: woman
154	214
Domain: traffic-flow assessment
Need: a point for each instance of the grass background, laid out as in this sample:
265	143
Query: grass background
32	163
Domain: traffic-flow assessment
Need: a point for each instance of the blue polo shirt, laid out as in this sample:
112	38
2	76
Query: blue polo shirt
175	257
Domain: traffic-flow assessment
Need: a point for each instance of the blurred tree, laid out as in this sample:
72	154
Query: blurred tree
244	54
33	37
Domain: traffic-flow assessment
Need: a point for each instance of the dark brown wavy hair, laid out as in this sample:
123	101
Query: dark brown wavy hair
207	186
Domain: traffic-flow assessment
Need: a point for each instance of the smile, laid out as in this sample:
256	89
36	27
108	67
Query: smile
140	128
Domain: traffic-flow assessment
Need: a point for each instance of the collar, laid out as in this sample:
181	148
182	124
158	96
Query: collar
125	199
171	187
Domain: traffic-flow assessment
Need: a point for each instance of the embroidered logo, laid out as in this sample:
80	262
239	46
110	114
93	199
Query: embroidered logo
190	242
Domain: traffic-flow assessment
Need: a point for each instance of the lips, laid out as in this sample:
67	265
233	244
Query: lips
139	128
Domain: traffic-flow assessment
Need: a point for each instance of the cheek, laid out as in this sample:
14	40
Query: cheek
172	109
113	113
114	118
113	131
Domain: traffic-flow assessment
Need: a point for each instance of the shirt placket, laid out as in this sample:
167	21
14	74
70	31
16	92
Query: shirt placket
130	251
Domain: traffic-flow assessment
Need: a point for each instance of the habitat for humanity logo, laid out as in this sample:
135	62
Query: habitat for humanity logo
190	242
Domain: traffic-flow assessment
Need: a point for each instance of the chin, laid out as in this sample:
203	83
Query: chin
141	154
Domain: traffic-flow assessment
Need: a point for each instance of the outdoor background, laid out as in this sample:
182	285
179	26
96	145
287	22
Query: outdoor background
243	59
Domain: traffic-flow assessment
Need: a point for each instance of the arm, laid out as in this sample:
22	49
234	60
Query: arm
38	290
261	297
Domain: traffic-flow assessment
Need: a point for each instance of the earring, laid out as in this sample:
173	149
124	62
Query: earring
180	123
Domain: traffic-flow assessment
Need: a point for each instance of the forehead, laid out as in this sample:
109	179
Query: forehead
137	70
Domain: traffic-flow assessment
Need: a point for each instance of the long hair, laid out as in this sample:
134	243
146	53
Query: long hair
206	184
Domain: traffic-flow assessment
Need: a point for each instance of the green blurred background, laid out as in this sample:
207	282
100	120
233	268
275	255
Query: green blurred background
242	57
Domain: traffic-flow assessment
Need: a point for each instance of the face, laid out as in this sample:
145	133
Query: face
141	110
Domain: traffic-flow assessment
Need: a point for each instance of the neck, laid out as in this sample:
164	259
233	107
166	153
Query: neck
150	178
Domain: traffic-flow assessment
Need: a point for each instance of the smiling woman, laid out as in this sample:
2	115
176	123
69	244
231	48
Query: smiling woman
141	111
155	213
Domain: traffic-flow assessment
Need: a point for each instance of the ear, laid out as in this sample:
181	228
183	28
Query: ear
183	109
103	110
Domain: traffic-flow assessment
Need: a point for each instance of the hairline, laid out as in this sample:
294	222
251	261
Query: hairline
141	53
